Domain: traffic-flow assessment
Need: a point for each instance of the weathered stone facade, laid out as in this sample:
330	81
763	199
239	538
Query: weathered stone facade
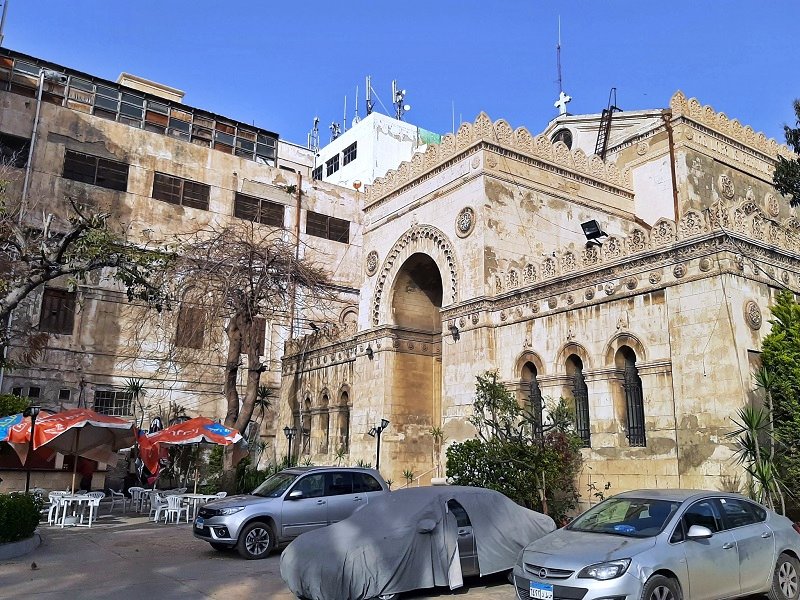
474	259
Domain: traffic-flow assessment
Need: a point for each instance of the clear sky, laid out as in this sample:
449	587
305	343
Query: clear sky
278	64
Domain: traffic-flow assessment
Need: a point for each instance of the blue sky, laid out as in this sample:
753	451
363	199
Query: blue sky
278	64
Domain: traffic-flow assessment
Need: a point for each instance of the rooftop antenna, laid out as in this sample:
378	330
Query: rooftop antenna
336	130
356	118
313	137
369	95
563	99
344	115
3	20
398	96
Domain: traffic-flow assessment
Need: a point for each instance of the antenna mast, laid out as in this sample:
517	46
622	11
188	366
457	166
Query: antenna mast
356	118
398	96
563	99
369	95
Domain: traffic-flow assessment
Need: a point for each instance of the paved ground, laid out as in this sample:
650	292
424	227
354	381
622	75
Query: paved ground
129	557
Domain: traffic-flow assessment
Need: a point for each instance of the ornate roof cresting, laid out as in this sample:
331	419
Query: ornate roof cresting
501	134
706	115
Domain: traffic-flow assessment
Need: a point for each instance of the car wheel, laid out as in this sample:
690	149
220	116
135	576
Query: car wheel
785	579
255	541
220	547
659	587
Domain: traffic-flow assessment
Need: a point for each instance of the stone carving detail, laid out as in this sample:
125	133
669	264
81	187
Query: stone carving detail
679	271
529	274
589	294
513	280
436	244
474	318
570	299
462	322
549	268
718	216
663	233
609	289
503	315
570	334
681	106
568	263
498	284
631	283
772	204
750	195
574	164
726	186
752	314
535	307
759	224
655	277
475	162
372	263
642	147
465	222
613	248
590	256
637	240
705	264
623	322
552	302
692	223
785	277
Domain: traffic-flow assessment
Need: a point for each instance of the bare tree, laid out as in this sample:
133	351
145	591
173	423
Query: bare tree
240	274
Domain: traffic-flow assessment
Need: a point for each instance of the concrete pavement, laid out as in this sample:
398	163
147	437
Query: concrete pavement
130	557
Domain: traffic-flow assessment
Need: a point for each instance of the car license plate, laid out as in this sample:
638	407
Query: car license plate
198	523
541	591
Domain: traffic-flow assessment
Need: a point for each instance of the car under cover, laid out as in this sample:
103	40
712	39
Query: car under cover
407	540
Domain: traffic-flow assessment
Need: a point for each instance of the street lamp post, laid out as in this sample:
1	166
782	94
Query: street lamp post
32	412
376	433
289	432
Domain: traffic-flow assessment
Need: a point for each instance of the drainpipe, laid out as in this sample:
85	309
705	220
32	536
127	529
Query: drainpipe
28	167
293	296
666	116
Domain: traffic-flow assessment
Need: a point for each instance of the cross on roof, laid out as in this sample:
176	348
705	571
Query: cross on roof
561	103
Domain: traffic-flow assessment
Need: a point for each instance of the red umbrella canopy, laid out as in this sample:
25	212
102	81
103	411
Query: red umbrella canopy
77	431
194	431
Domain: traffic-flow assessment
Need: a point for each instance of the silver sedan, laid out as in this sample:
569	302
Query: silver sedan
665	545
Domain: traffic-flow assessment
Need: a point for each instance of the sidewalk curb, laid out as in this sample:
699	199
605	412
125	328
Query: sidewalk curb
20	548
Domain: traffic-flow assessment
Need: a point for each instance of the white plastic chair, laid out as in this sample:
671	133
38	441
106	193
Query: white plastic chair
221	494
136	497
94	503
158	504
55	506
118	497
175	506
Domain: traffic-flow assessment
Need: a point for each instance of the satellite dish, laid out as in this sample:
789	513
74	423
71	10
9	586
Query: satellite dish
407	107
357	184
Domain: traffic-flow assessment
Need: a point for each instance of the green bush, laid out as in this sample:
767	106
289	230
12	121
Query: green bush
11	404
19	516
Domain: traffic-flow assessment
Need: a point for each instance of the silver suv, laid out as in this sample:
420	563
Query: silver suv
284	506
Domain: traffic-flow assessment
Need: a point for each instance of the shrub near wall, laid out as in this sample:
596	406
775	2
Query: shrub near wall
19	516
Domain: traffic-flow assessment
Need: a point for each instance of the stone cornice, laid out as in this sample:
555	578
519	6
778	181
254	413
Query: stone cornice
555	157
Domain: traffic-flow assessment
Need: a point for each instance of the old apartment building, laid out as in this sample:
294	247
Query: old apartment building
631	272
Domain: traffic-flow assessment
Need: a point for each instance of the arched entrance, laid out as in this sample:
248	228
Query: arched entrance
416	366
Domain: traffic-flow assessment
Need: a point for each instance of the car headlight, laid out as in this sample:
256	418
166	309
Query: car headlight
605	570
229	510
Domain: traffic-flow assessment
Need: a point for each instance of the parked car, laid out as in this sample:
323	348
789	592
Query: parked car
665	545
287	504
410	539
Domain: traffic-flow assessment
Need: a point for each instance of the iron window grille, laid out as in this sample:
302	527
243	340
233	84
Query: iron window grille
180	191
258	210
536	407
113	403
58	311
581	394
317	173
95	170
325	226
634	401
349	154
191	326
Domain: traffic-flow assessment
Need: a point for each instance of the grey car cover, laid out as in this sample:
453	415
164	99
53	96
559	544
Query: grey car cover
407	540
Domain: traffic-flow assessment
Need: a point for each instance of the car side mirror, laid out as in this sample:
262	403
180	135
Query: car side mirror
698	532
426	526
295	495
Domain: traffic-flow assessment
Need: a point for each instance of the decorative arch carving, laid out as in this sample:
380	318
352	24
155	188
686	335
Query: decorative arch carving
576	349
620	340
423	239
531	357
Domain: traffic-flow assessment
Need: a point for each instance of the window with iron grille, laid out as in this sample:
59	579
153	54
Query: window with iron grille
94	170
115	404
349	154
317	173
634	404
14	150
258	210
580	392
332	165
535	406
330	228
58	311
180	191
191	326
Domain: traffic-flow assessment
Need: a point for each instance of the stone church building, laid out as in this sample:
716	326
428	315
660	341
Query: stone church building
637	286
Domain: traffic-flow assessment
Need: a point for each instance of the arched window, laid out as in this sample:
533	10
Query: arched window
344	422
305	430
324	425
634	398
580	392
533	397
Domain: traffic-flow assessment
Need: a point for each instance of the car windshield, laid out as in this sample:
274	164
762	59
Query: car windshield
630	517
275	486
